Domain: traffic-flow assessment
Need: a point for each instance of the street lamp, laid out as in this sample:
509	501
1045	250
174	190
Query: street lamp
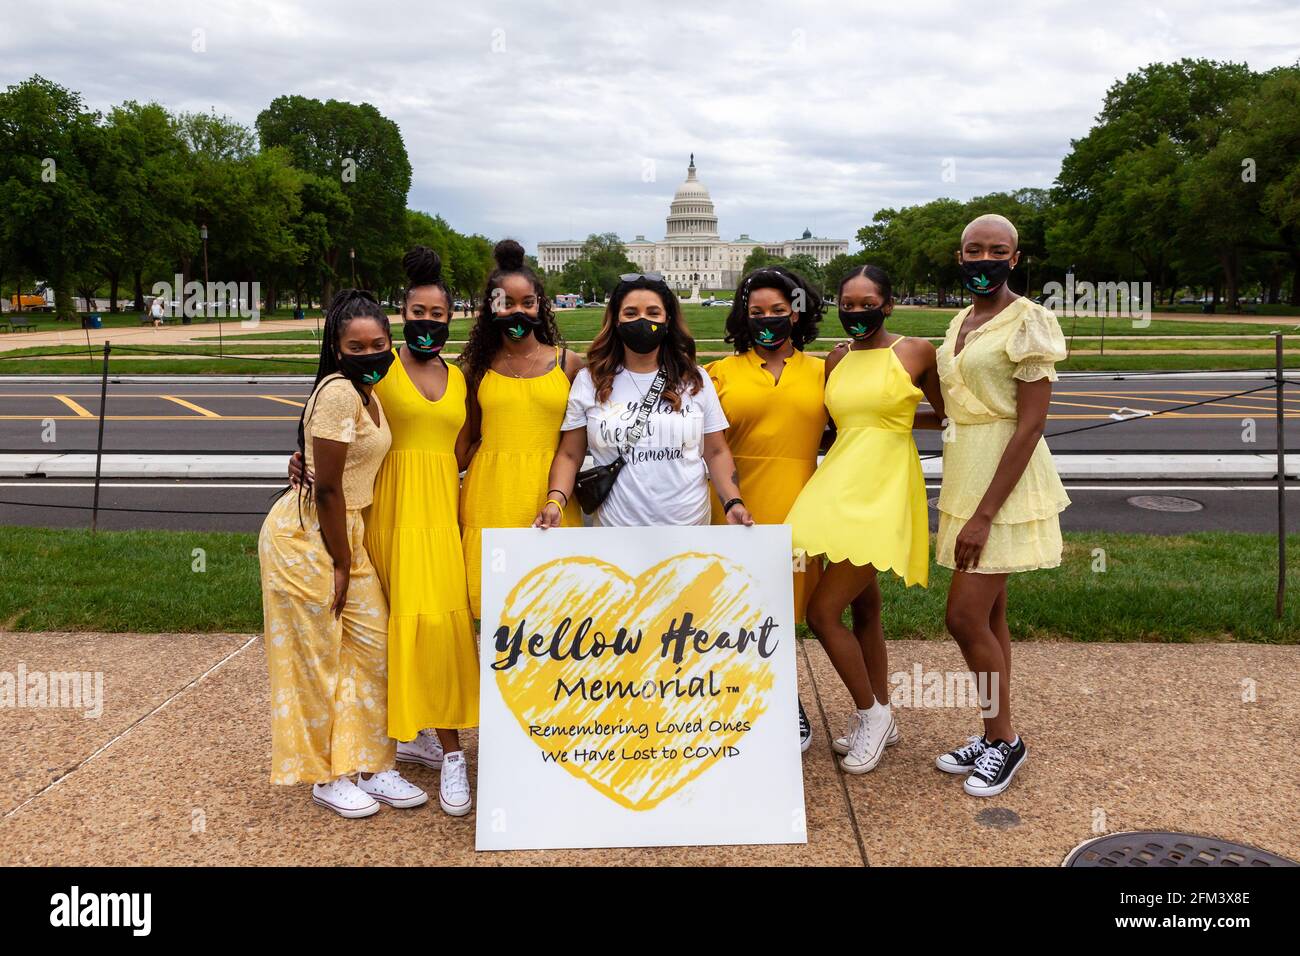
352	255
203	233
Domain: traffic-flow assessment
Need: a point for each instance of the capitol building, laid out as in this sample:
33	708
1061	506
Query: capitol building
692	254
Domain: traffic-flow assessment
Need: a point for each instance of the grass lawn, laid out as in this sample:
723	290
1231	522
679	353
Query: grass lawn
1201	587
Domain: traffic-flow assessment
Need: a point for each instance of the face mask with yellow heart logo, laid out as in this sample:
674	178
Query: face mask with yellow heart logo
642	335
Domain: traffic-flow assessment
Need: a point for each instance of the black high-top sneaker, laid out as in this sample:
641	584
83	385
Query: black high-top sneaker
962	759
995	767
805	730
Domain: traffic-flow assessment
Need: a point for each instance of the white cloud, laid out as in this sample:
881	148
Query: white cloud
536	120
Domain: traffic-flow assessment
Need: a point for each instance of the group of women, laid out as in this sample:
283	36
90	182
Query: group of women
370	568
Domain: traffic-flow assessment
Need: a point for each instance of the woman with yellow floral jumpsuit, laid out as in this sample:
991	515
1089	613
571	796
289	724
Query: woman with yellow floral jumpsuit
325	615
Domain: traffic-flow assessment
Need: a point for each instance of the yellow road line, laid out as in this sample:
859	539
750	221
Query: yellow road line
81	411
205	412
1170	401
285	401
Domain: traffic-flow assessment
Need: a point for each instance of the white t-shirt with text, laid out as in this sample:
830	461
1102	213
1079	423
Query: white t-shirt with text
664	480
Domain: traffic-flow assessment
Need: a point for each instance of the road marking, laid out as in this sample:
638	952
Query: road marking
206	412
1170	401
155	418
286	401
42	484
81	411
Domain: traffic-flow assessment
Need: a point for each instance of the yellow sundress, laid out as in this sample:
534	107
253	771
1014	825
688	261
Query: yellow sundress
775	430
866	502
1023	342
413	539
505	485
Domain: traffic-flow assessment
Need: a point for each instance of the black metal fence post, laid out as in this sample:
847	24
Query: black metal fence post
99	446
1281	483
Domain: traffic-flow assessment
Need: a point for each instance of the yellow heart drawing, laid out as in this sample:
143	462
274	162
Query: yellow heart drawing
720	596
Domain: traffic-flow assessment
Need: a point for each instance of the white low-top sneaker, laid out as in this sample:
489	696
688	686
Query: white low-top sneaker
424	749
841	744
345	798
866	742
391	788
453	788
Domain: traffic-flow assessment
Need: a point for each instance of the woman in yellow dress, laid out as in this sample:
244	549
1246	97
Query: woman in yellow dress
519	377
325	616
865	506
1001	495
771	392
414	541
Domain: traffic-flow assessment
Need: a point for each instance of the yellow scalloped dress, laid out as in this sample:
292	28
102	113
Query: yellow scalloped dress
866	502
414	542
1023	342
505	485
776	428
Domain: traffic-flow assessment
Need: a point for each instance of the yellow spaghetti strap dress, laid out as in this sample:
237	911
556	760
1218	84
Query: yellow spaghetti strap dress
505	486
866	502
776	428
413	539
1023	342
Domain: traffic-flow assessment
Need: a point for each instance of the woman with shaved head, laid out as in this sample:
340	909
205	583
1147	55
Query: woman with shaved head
1001	495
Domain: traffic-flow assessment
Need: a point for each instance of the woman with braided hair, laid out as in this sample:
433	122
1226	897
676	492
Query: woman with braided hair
413	539
324	611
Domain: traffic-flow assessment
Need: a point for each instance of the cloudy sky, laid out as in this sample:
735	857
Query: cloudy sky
552	120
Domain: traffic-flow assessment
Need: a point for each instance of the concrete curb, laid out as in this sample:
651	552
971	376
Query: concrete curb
1071	467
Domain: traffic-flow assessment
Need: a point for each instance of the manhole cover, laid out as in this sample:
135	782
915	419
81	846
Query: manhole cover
1000	818
1154	848
1164	503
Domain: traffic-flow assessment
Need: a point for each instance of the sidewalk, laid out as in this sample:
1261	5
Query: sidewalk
1121	737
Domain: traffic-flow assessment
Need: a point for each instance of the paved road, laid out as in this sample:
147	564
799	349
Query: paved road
1096	506
223	416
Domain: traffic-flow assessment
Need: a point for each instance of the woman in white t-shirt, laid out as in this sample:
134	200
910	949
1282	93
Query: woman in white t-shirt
665	480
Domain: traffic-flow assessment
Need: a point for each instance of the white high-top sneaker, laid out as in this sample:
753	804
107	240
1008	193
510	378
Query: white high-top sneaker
391	788
453	789
867	740
841	744
424	749
345	798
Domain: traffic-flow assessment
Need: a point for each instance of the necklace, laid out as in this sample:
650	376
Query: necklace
531	356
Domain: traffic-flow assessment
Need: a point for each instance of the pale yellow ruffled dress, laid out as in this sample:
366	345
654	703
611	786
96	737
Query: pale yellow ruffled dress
1023	343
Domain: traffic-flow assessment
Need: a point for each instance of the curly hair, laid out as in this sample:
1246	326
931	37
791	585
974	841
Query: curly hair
485	337
676	351
792	286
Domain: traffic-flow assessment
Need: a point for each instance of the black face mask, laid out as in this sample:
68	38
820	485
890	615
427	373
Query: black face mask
425	337
862	325
517	324
984	276
641	335
366	369
770	331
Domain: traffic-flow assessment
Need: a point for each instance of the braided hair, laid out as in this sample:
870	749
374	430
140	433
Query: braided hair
793	287
485	338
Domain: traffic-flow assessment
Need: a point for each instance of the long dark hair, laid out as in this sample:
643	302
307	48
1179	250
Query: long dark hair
485	338
789	284
347	305
676	351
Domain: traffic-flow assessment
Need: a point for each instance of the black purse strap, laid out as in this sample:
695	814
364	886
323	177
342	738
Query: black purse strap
647	405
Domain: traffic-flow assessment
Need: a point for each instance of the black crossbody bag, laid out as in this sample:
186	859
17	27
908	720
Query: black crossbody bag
593	485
